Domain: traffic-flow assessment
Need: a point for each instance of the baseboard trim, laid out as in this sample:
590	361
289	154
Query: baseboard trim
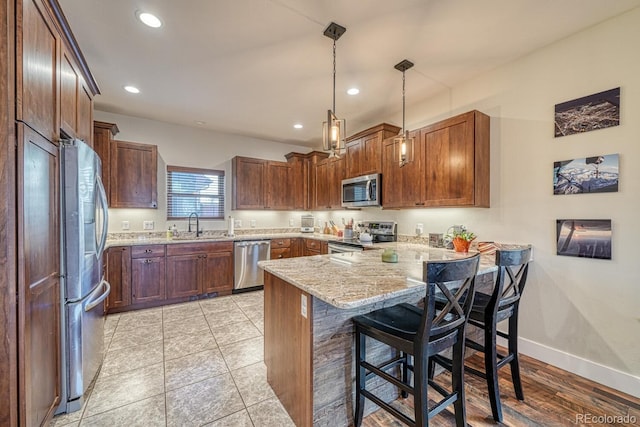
593	371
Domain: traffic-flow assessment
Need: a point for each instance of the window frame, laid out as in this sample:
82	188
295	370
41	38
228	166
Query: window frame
196	171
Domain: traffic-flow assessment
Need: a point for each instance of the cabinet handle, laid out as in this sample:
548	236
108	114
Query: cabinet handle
280	256
419	203
147	251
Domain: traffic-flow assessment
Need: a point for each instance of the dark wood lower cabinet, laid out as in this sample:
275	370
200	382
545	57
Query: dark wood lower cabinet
147	279
118	265
151	275
39	278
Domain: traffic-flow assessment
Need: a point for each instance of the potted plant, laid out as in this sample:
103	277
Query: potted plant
462	240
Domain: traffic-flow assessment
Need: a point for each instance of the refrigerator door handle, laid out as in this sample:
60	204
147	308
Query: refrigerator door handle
105	219
93	302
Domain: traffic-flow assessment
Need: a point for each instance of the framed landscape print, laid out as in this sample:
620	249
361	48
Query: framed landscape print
584	238
597	174
597	111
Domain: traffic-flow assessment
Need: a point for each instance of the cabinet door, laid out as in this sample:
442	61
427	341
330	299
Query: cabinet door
217	272
147	280
38	277
84	101
133	175
279	253
279	184
103	134
336	175
248	186
37	98
68	95
322	185
355	157
371	150
118	263
182	275
449	163
402	186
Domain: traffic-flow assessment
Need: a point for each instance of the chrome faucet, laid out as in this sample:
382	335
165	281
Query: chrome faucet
198	231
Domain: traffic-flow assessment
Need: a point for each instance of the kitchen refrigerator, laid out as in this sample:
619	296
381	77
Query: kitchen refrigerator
84	232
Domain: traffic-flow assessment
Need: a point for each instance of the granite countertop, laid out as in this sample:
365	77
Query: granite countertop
354	279
189	238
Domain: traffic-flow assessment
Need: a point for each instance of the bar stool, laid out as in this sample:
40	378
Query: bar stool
418	334
487	312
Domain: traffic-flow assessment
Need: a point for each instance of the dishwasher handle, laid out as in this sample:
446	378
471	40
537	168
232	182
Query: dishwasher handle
245	244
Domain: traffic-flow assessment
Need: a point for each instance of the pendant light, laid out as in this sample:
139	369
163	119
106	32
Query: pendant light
334	129
403	144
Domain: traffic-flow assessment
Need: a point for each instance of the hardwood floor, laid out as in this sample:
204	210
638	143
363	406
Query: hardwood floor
553	397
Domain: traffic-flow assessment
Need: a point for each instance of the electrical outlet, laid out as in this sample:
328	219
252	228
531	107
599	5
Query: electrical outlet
292	222
125	225
147	225
253	223
419	229
237	223
303	305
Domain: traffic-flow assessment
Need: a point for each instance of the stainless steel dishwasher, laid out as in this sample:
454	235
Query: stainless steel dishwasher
246	257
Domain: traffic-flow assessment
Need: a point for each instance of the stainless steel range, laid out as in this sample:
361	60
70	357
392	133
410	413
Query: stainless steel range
380	231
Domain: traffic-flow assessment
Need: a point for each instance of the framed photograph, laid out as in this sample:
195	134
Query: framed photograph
597	174
584	238
597	111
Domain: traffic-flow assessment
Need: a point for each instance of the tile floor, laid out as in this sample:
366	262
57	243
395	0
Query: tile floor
193	364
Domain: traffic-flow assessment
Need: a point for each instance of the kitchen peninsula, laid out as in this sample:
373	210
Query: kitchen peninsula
309	303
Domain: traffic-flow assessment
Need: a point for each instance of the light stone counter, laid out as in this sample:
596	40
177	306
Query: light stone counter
354	279
156	238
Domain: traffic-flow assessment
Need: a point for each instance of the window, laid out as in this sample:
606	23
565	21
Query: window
194	190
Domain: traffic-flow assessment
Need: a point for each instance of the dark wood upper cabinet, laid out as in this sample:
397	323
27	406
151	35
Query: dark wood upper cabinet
450	167
133	175
247	181
37	89
265	184
328	175
364	150
103	134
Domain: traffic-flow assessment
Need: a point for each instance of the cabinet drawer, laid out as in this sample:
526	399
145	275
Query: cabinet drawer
280	243
312	244
147	251
198	248
278	253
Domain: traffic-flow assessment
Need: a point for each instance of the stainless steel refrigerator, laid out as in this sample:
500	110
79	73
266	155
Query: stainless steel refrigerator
84	232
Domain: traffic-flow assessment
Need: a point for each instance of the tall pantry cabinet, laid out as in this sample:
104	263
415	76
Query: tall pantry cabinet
48	92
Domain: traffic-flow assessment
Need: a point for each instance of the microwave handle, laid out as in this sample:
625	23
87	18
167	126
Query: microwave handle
368	190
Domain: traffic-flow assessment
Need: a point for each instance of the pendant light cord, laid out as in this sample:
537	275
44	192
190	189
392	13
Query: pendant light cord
334	77
403	128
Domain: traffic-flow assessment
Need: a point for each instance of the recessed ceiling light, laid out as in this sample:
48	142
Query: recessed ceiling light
149	19
353	91
132	89
297	126
200	123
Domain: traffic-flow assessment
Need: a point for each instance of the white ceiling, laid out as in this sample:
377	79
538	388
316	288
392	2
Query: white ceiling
256	67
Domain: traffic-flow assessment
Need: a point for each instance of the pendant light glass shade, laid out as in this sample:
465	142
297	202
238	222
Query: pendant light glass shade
403	145
334	129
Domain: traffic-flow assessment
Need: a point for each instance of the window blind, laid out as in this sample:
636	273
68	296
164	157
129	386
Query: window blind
195	190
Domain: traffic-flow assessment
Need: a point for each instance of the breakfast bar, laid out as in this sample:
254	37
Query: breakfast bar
309	303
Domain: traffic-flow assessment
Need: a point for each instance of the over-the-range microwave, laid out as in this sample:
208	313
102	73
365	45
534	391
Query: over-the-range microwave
361	191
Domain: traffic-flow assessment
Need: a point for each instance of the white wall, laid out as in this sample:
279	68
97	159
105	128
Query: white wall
581	314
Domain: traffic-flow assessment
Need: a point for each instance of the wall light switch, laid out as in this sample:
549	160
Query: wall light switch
125	225
237	223
253	223
147	225
419	229
292	222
